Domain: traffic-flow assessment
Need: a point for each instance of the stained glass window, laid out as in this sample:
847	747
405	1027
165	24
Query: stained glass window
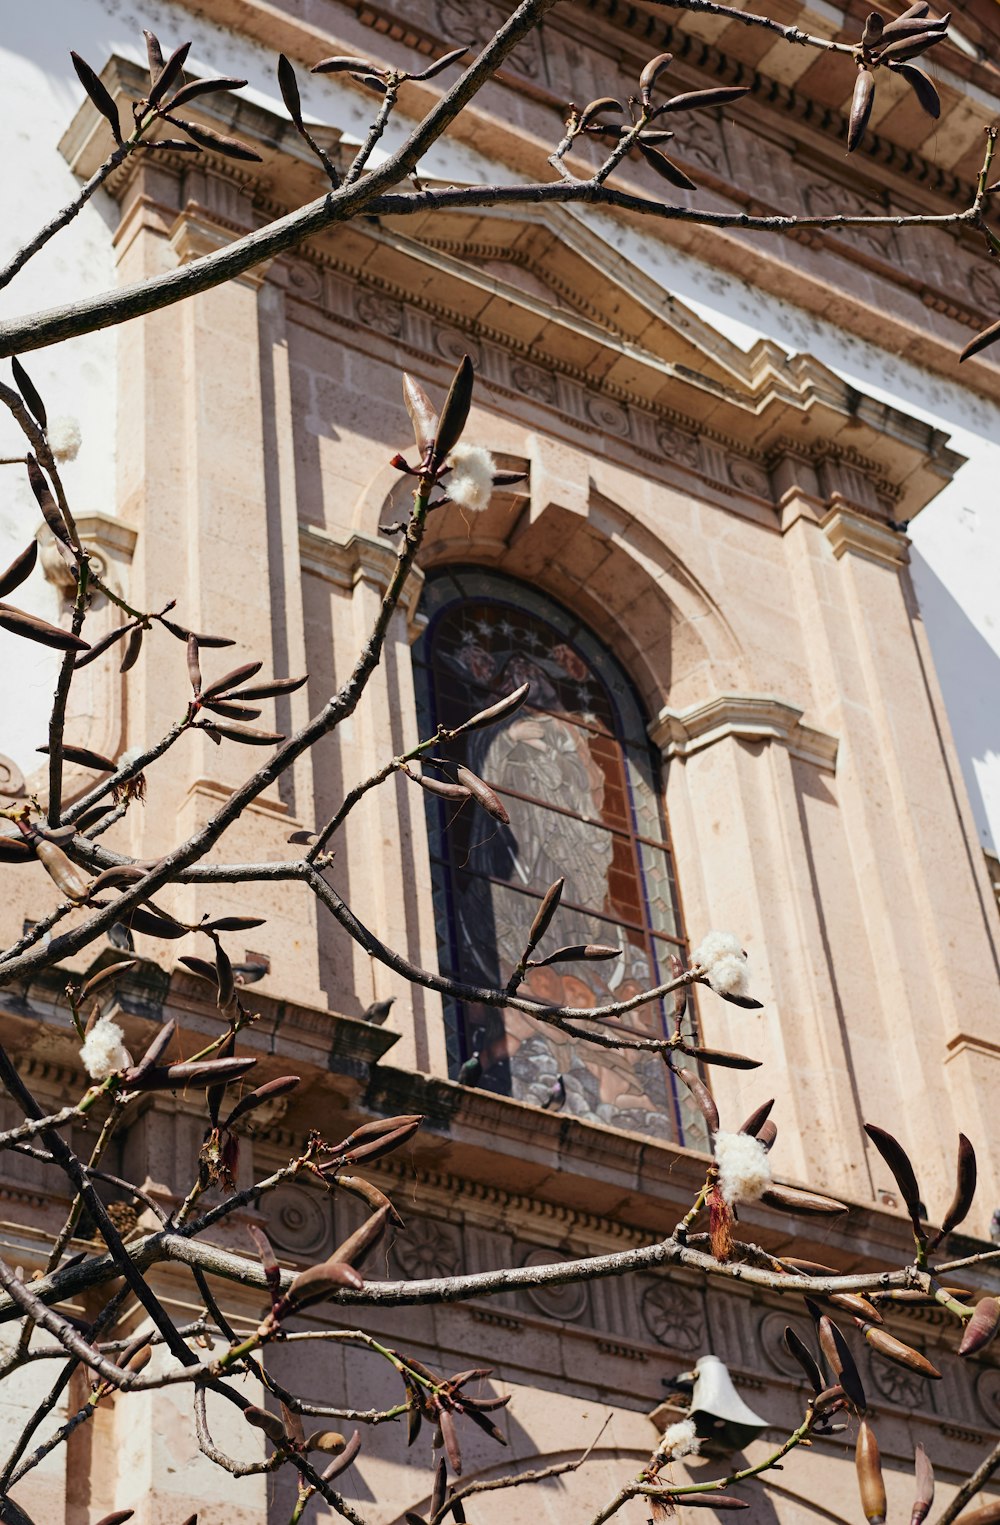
575	771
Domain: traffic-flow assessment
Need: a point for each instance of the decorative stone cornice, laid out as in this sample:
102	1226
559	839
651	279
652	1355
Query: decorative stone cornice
848	530
744	717
359	558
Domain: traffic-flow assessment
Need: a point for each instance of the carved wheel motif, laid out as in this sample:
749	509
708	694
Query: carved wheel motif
476	25
674	1316
897	1385
534	382
607	414
426	1250
564	1303
678	446
379	312
772	1342
988	1394
298	1221
453	344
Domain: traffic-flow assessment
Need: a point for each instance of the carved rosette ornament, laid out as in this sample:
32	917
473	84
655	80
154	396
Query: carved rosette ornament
427	1249
298	1221
674	1316
905	1389
564	1303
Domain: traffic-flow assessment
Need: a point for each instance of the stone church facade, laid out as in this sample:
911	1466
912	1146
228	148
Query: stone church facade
709	542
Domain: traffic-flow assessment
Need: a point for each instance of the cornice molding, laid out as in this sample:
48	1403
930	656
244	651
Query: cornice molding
848	530
359	558
743	717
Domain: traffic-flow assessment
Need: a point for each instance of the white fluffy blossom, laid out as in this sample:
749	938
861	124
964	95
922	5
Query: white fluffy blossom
744	1168
724	963
64	438
678	1440
470	481
104	1052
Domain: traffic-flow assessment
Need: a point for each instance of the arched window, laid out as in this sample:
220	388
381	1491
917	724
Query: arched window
576	773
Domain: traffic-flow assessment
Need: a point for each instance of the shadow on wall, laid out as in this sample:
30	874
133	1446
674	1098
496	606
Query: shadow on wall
968	671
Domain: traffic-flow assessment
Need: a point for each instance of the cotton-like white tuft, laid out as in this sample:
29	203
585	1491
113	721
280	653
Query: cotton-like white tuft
470	481
63	435
104	1052
724	962
744	1168
680	1439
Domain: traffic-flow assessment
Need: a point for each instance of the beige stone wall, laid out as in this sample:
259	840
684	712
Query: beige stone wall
728	526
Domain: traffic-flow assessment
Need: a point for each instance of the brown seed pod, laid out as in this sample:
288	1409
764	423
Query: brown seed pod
592	952
869	1469
319	1283
200	1072
665	167
342	64
269	1423
965	1189
247	734
794	1201
651	73
452	1448
702	1098
64	874
925	1486
768	1134
898	1161
85	758
721	1057
377	1147
269	1091
270	689
861	107
358	1246
496	712
169	74
922	87
105	976
837	1352
422	415
19	623
797	1348
442	788
853	1302
369	1193
199	87
330	1441
231	679
455	412
543	916
98	94
695	100
19	570
982	1326
483	794
440	65
597	108
757	1119
901	1355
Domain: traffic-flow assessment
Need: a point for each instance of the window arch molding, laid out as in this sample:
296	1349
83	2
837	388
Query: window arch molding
581	783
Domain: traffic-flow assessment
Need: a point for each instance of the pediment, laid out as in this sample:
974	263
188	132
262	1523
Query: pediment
549	287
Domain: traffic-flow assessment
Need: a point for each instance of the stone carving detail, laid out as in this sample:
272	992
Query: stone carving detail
771	1340
677	445
11	778
427	1249
988	1395
825	198
985	287
698	141
609	415
298	1221
380	312
673	1315
453	344
748	477
564	1303
534	382
459	22
899	1386
305	280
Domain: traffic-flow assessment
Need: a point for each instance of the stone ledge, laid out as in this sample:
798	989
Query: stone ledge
745	717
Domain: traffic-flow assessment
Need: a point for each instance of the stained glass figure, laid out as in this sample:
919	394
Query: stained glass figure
576	773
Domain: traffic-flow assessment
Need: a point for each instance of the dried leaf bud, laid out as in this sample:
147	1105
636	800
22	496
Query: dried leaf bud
422	414
330	1441
269	1423
496	712
869	1469
901	1355
981	1327
925	1486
